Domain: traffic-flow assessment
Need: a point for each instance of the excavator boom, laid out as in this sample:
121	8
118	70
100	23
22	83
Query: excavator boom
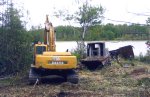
49	35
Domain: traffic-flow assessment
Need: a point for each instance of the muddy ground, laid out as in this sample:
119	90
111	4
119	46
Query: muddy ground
111	81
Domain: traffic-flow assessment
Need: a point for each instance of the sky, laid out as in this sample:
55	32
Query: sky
116	11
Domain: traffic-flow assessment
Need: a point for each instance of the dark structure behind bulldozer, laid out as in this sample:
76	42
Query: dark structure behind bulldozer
97	56
125	52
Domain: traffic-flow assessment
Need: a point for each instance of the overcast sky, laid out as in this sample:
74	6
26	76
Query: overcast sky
134	11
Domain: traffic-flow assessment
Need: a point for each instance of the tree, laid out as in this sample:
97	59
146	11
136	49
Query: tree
148	25
89	16
148	21
15	44
86	16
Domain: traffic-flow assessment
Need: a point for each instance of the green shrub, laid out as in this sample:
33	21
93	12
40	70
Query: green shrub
144	81
146	58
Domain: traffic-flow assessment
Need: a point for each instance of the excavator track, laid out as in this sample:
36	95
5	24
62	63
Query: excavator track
72	77
33	76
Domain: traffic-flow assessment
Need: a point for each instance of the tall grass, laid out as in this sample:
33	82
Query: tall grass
146	58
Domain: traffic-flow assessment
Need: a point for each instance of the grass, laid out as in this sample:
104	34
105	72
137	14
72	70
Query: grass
111	81
5	82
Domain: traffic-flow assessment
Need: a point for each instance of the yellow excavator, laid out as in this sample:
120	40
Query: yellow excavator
48	62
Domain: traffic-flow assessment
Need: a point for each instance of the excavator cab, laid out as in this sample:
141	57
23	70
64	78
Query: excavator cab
40	48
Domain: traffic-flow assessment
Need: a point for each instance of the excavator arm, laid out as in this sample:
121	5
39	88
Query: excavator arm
49	35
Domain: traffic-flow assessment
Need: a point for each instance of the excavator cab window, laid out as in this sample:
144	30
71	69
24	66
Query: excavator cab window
40	49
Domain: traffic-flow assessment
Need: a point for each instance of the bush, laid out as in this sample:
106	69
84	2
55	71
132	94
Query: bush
80	51
144	81
146	58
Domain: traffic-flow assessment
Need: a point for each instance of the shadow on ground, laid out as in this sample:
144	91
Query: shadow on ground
53	80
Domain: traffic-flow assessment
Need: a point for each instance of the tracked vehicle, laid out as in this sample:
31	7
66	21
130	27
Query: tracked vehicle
48	62
97	56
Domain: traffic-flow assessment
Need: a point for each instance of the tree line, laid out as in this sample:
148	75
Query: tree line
98	32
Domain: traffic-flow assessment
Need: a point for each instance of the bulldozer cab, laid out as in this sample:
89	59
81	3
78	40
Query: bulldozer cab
96	49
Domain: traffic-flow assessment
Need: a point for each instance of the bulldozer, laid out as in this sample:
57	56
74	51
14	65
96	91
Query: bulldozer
97	56
47	61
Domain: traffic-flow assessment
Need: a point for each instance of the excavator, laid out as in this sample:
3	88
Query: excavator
47	61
